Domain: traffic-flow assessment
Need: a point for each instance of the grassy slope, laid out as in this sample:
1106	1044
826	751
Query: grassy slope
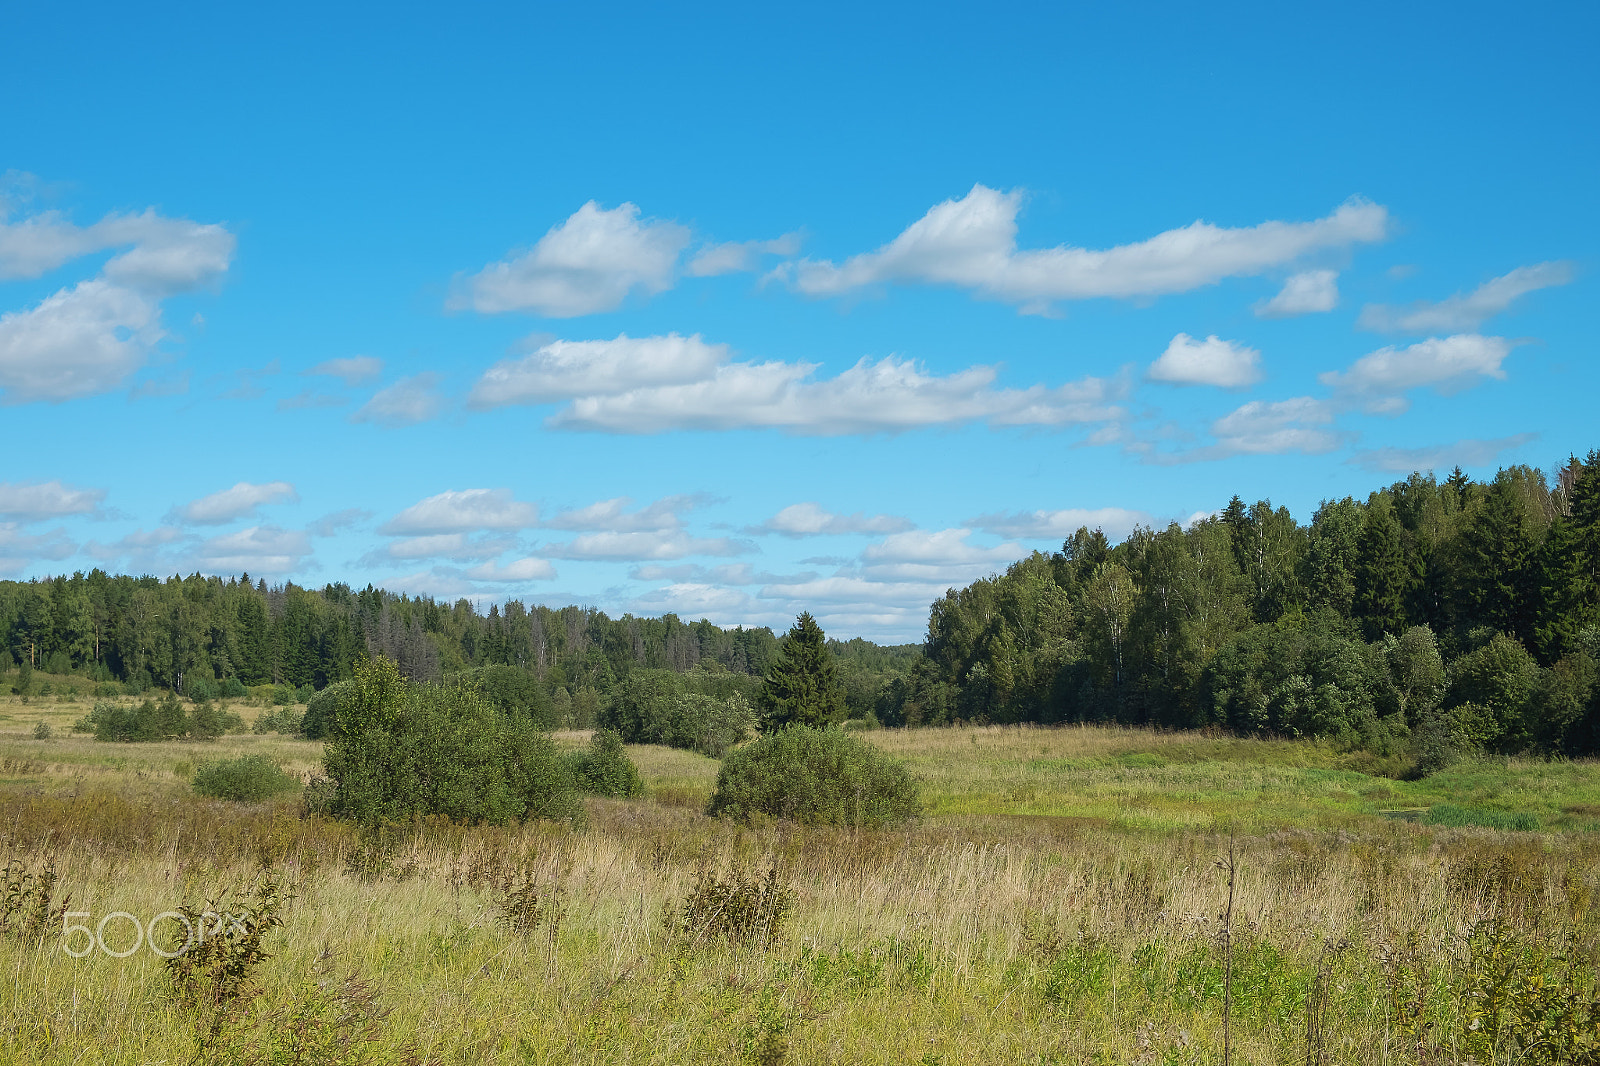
1056	906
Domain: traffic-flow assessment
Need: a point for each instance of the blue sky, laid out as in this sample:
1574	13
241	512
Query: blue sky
737	312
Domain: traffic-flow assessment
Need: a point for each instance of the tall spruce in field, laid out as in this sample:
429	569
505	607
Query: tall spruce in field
1381	571
802	686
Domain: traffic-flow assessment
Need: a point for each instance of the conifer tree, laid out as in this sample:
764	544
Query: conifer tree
802	685
1381	571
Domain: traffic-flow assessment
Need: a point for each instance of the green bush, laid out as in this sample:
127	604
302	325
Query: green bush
397	751
516	692
604	769
698	711
322	709
247	779
284	720
816	777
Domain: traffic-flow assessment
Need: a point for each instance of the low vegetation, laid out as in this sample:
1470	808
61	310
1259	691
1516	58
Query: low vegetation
814	777
245	779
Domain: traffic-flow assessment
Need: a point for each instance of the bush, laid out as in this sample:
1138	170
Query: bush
234	689
514	691
397	751
284	720
690	711
605	769
247	779
816	777
322	709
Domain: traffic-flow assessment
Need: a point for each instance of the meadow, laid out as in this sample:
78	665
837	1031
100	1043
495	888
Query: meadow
1065	899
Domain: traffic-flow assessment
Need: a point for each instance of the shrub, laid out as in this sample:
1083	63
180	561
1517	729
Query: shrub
604	769
42	730
284	720
397	751
817	777
694	711
234	689
514	691
247	779
743	909
322	709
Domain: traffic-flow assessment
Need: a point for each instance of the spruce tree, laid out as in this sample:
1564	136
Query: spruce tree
1381	573
802	685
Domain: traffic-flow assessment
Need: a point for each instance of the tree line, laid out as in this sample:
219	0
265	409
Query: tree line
1454	613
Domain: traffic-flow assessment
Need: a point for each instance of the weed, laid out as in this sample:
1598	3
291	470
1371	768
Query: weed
213	968
27	900
744	909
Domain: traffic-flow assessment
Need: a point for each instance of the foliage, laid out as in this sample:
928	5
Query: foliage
604	769
802	685
246	779
166	720
28	907
284	720
213	964
700	710
743	909
815	777
399	751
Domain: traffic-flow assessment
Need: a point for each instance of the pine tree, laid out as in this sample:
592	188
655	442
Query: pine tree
1381	570
802	685
1502	582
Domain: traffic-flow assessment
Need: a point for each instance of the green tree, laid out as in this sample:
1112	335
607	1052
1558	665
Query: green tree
802	685
1381	573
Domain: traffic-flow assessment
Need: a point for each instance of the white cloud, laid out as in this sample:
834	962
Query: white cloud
405	403
463	511
259	549
724	574
79	342
46	499
529	569
944	555
670	544
143	551
1310	292
457	547
563	369
329	524
352	371
18	549
91	337
1466	311
589	263
809	519
1466	453
886	396
1212	361
1274	428
1115	522
613	515
736	256
1447	365
723	606
167	255
231	504
971	243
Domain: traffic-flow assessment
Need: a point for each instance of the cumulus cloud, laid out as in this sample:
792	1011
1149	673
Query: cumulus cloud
405	403
332	523
971	243
81	341
639	546
258	549
1213	361
528	569
240	501
738	256
1306	293
809	519
89	338
38	501
19	549
941	555
352	371
457	547
722	605
1466	311
1437	457
463	511
613	515
589	263
1115	522
1447	365
561	370
889	395
1263	427
167	255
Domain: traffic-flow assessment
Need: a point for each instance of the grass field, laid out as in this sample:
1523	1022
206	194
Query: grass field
1060	903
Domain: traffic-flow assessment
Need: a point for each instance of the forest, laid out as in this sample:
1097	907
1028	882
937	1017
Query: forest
1435	615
